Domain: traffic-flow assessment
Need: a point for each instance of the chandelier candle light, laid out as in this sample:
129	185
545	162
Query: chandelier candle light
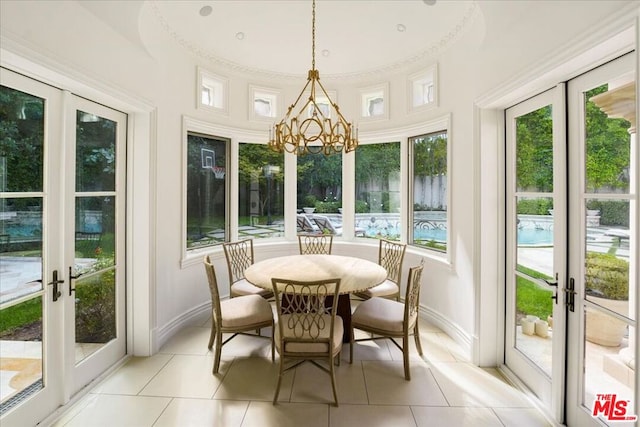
300	134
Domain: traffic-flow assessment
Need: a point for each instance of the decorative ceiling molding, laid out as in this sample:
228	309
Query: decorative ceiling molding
435	49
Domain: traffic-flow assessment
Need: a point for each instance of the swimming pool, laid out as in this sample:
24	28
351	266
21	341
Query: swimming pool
526	236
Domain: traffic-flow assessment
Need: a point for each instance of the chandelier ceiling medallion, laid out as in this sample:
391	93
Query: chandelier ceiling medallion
313	127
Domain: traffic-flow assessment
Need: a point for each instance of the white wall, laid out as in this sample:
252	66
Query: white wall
510	39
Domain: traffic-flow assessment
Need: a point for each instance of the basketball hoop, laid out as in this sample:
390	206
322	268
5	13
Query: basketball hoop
218	172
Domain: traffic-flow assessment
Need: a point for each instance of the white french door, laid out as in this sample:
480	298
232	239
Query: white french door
572	250
603	248
62	229
536	245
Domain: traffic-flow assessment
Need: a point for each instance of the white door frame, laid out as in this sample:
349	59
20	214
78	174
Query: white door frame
576	412
548	389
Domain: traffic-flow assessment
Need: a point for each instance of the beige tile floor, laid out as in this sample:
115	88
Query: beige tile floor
176	388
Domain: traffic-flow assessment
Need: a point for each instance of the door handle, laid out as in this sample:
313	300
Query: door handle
55	282
553	283
72	277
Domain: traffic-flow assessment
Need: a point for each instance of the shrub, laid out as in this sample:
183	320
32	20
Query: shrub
612	212
534	206
362	206
327	207
309	201
606	276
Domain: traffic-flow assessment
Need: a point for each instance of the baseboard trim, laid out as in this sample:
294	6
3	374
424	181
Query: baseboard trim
195	316
459	335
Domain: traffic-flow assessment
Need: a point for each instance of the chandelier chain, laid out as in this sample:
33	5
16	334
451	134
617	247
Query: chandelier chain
313	36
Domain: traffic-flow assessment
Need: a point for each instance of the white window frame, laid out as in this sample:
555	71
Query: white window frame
418	81
439	125
220	87
190	126
367	95
269	94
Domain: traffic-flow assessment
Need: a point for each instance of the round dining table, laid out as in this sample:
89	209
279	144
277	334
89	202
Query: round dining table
355	274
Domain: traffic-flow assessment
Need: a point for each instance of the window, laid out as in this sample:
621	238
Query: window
261	192
263	103
212	91
374	102
206	202
429	180
377	191
320	193
423	89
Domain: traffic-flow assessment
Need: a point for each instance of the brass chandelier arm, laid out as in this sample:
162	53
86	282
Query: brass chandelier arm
312	130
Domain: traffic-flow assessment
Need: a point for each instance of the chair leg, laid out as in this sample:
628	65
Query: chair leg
213	333
333	380
273	347
275	397
218	351
405	356
416	335
351	347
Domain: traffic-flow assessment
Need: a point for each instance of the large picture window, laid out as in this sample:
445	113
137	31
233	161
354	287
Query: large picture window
430	185
261	192
377	191
206	190
319	200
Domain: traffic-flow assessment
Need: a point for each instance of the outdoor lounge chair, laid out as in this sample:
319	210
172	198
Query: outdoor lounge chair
305	225
324	223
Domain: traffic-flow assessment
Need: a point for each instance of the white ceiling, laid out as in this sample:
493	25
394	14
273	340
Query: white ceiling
361	36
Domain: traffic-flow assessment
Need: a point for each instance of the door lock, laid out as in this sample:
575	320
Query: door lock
570	294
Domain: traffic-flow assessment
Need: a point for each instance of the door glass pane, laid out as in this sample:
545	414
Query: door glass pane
607	137
95	298
95	153
534	151
261	197
20	351
534	233
609	362
607	255
534	322
95	254
20	247
21	141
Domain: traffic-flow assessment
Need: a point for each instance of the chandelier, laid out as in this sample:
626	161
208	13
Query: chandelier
311	127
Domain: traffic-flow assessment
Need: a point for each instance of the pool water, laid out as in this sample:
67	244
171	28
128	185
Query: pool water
532	236
526	237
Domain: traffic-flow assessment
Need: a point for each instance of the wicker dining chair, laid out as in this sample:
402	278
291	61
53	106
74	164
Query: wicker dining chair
388	319
315	244
391	257
235	315
307	329
239	257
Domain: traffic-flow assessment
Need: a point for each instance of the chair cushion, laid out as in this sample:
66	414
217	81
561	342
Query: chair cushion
384	289
245	311
379	313
311	347
243	287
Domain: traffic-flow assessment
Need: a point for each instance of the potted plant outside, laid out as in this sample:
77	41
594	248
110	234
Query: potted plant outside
606	284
